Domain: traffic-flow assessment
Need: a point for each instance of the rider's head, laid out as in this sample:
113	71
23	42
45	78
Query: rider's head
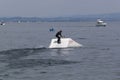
60	30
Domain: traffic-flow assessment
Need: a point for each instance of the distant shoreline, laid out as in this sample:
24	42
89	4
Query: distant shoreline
24	19
78	18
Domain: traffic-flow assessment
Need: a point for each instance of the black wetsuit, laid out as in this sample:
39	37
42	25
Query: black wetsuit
59	35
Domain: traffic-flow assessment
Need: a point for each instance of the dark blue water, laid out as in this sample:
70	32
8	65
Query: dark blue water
24	52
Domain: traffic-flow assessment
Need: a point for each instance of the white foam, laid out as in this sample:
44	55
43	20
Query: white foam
65	43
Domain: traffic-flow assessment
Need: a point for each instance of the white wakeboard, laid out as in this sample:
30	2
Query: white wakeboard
65	43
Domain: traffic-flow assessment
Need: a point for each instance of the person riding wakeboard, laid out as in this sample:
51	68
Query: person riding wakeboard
59	35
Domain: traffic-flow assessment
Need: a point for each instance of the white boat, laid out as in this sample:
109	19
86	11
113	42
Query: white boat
65	43
100	23
2	23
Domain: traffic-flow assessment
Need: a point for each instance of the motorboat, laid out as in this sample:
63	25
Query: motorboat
100	23
2	23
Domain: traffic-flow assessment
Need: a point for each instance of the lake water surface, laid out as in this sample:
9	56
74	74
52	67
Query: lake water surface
24	52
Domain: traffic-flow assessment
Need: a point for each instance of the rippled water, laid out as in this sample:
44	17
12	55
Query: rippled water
24	52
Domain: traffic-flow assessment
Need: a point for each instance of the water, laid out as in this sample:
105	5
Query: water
24	52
